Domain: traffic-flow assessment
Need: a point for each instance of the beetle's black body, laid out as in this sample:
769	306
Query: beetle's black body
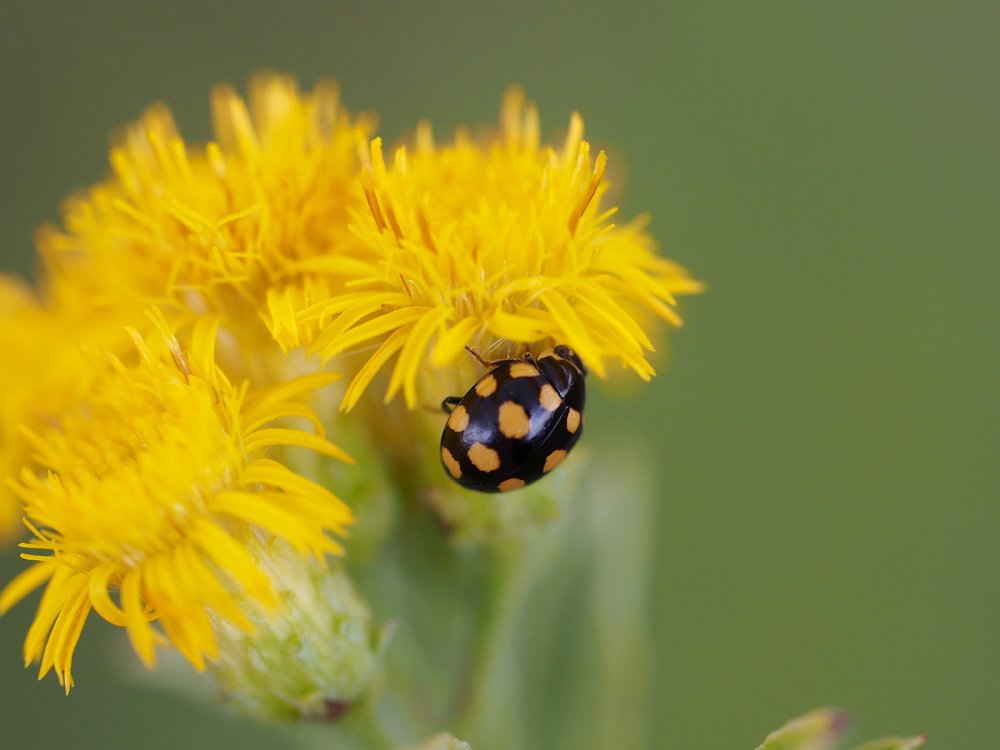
516	423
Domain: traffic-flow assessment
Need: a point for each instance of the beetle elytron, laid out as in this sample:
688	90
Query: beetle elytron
517	423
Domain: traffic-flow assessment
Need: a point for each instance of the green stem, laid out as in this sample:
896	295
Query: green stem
507	584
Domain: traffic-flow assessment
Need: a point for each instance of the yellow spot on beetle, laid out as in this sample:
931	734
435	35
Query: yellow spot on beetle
459	419
549	398
483	458
486	386
554	459
573	420
514	421
523	370
510	484
449	460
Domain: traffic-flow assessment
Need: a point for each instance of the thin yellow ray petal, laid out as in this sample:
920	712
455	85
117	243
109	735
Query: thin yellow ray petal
269	436
178	594
69	637
161	592
515	327
336	265
603	303
644	279
182	582
24	583
279	318
452	342
183	631
576	332
256	511
312	509
167	586
52	643
231	121
365	306
410	358
203	338
320	519
646	298
634	283
61	587
370	369
610	334
100	597
271	473
225	607
263	401
233	558
329	307
220	600
140	634
280	411
201	635
606	338
373	328
676	285
531	284
65	634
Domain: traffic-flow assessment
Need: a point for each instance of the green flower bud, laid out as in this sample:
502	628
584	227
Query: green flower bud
314	657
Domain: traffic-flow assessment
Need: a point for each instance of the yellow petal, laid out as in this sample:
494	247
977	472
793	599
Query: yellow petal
574	330
373	328
282	436
451	342
24	583
100	580
405	373
516	327
390	346
136	625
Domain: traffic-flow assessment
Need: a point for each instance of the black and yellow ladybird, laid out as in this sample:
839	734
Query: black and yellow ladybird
517	423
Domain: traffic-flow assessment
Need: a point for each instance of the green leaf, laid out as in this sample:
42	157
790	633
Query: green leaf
818	730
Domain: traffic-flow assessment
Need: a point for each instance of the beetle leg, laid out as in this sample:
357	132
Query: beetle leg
483	362
448	405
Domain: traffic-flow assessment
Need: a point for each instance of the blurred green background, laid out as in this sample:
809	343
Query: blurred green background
826	429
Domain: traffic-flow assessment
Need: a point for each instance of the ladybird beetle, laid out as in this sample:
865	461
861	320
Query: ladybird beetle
517	423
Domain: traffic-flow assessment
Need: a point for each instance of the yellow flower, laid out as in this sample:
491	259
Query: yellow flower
154	488
249	225
502	245
45	372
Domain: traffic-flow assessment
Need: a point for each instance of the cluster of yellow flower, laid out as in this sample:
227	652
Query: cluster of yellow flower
157	385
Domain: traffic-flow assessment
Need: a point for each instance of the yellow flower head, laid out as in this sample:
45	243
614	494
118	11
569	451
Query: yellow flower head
501	245
153	489
232	227
45	371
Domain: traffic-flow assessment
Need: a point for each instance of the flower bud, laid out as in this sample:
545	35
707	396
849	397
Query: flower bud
314	657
